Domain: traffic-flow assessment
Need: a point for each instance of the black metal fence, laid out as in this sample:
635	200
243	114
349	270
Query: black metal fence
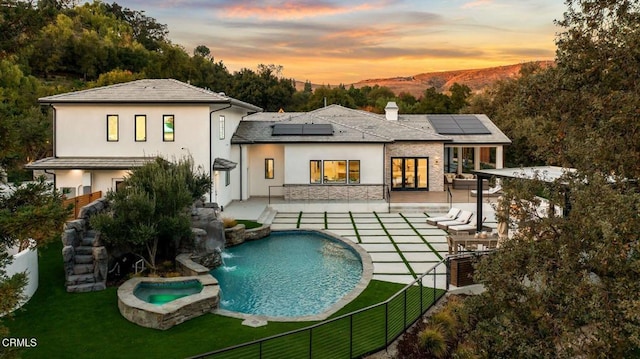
351	335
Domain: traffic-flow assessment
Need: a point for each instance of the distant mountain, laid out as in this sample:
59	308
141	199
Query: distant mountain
476	79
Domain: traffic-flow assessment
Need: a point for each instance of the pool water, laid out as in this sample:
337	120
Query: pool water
287	274
161	293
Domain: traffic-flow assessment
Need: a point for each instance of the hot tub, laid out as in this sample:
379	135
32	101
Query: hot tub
161	303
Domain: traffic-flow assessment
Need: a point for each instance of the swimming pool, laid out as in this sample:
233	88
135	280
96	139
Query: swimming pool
291	274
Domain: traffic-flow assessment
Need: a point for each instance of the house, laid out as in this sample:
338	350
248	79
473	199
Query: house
340	153
101	133
332	153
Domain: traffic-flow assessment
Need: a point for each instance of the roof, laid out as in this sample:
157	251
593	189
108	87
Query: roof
495	135
64	163
544	173
348	125
221	164
147	91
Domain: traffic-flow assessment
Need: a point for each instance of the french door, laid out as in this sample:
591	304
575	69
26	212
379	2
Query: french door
409	173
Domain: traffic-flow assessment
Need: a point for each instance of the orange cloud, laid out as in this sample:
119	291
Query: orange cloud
290	10
477	3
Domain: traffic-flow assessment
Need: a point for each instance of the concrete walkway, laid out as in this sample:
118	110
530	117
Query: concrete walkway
408	247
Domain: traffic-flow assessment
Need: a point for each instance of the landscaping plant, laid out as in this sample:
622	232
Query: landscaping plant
150	214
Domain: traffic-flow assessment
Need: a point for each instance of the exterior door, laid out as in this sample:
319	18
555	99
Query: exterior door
409	173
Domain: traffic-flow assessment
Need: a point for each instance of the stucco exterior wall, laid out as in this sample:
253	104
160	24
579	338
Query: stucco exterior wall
81	131
297	157
257	183
433	150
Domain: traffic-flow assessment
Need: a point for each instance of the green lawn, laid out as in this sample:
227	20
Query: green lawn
86	325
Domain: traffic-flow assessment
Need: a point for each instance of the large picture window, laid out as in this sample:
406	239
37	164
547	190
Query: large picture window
141	128
315	171
112	128
268	168
354	172
168	128
335	172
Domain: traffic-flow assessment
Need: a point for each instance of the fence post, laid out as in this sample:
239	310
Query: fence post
386	324
351	336
311	343
421	304
405	310
435	271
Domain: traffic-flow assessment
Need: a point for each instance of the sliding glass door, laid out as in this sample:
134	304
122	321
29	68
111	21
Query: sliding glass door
409	173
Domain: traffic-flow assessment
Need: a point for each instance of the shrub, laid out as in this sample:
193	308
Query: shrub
433	342
229	222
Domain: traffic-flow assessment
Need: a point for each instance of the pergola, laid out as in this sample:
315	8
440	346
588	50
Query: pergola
544	173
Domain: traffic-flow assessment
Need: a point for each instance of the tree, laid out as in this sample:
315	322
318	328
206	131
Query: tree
30	211
566	286
149	213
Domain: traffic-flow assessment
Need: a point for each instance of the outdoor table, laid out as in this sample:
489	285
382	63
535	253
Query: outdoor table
468	241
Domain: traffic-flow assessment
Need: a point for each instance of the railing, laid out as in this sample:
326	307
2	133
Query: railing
80	201
355	334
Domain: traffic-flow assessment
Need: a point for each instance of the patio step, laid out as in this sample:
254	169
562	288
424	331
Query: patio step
84	250
86	287
83	269
267	216
430	208
84	259
76	279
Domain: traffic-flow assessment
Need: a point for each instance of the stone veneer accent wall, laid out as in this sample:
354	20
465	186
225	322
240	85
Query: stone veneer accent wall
418	149
334	192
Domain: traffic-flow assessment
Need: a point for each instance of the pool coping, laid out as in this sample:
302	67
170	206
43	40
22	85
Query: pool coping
367	275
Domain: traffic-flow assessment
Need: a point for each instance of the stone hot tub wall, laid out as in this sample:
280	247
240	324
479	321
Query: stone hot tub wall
172	313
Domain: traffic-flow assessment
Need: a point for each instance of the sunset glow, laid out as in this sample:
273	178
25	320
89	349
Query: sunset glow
332	42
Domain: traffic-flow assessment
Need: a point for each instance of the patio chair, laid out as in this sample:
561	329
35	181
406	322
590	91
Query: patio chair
463	218
452	214
470	227
491	192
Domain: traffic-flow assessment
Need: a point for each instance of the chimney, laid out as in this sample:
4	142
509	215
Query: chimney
391	111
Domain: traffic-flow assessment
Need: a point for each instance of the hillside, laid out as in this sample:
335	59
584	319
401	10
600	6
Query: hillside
476	79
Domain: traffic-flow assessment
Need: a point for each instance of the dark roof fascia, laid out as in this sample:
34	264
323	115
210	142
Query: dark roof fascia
453	142
135	102
306	142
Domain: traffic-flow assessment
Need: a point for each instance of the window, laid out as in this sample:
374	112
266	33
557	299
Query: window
354	171
221	127
112	128
335	172
227	178
268	168
141	128
168	128
315	171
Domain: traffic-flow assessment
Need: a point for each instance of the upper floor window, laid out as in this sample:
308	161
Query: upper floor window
168	128
112	128
141	128
222	120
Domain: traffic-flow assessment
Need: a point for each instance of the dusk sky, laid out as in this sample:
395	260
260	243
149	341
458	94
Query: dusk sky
331	42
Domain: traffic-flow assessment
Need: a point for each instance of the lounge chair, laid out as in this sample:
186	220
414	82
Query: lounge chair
470	227
491	192
463	218
452	214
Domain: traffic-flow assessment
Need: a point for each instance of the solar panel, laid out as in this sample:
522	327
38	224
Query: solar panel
458	125
286	129
291	129
317	129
